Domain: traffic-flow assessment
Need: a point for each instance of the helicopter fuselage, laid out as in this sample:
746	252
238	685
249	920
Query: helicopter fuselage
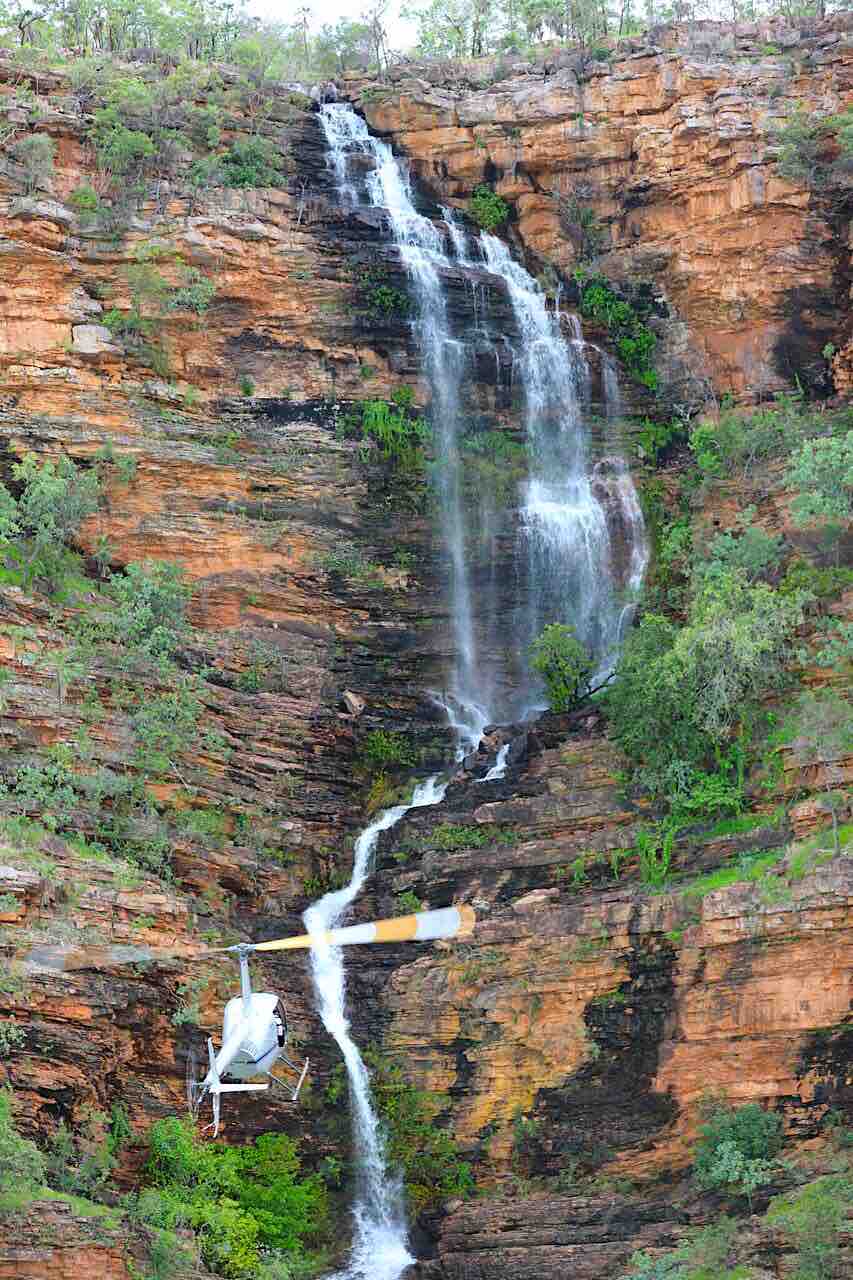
252	1037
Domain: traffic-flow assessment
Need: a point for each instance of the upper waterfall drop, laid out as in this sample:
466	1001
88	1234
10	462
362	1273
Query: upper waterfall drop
568	510
423	253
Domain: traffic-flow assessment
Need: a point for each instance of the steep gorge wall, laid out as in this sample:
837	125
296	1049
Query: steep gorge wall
600	1012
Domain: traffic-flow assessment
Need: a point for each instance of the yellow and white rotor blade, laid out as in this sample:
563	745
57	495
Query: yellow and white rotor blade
425	926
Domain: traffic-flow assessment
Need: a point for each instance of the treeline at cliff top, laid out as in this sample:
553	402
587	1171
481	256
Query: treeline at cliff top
173	31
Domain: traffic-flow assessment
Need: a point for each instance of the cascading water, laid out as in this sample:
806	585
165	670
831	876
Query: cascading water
566	536
380	1249
568	570
422	252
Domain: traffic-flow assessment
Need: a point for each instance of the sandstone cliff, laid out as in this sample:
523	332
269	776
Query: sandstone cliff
594	1011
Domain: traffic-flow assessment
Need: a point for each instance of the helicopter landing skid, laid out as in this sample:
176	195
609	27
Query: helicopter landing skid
292	1093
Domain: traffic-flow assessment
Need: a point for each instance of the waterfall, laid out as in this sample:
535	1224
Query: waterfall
566	540
566	515
498	769
380	1249
422	252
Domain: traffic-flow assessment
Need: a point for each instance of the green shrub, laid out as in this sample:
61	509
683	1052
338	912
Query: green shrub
384	748
681	694
750	551
21	1162
450	836
737	1148
85	201
196	294
802	145
654	850
400	437
35	155
821	473
120	151
348	562
737	441
813	1219
81	1162
635	341
581	224
251	162
149	614
489	210
55	498
655	437
564	664
239	1201
706	1254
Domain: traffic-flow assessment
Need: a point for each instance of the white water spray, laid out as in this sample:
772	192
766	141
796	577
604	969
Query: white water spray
565	525
380	1246
498	769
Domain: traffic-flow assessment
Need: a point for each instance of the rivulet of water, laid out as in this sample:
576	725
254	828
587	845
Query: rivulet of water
380	1246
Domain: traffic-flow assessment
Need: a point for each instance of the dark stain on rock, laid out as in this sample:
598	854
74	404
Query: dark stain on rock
609	1105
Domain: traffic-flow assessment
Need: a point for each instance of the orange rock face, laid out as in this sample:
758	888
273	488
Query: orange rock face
50	1242
673	153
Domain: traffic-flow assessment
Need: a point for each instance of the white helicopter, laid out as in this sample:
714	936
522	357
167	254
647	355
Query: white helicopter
254	1025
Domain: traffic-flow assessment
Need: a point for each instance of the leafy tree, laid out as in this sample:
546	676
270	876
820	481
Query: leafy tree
150	609
821	473
454	28
564	664
813	1218
251	162
737	1147
239	1200
750	551
488	209
120	151
55	497
681	694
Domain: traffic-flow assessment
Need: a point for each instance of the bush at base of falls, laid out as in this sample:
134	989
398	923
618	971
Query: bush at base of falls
564	664
242	1202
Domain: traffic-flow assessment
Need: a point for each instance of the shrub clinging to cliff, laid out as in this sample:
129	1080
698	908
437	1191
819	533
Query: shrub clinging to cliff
489	210
737	1148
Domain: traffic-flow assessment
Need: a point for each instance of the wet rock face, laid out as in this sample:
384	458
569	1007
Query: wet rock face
670	145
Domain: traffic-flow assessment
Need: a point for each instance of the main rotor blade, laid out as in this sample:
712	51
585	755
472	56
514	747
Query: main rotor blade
71	959
425	926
